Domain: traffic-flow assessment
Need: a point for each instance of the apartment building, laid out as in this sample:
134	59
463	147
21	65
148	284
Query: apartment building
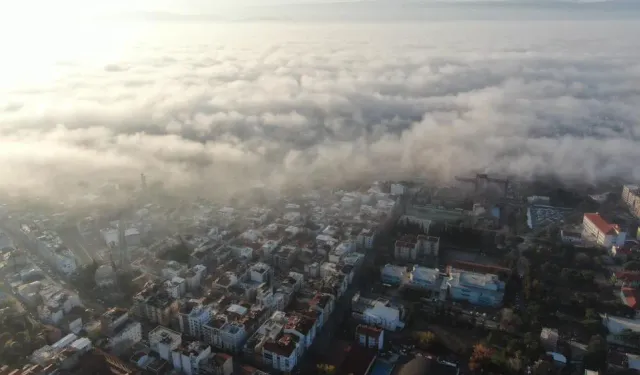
596	229
476	288
370	336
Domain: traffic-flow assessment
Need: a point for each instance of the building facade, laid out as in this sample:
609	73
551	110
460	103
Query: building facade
596	229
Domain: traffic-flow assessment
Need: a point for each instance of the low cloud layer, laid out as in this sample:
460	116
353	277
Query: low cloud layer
212	109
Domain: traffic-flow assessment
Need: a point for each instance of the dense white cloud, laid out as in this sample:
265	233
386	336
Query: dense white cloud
215	108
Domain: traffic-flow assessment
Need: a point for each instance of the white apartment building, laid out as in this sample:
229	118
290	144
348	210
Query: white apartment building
56	305
425	278
126	335
164	341
65	261
189	358
631	197
365	239
340	251
282	340
229	329
476	288
323	303
176	287
376	313
596	229
225	335
411	247
260	273
283	353
370	337
193	316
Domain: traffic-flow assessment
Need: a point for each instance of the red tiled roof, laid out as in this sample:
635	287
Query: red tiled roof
368	330
628	276
630	299
284	346
477	267
600	223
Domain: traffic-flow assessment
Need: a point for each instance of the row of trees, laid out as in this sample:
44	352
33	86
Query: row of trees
20	336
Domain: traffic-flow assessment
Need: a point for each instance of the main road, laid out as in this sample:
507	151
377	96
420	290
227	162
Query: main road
71	238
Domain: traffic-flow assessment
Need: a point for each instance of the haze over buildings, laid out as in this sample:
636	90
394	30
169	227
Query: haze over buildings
235	105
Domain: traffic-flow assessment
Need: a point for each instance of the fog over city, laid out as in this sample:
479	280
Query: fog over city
212	108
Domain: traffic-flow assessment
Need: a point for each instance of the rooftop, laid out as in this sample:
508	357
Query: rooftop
192	348
300	323
124	326
429	275
487	282
630	297
363	329
283	345
601	223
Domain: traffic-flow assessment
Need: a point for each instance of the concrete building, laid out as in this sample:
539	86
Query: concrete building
260	273
596	229
176	287
411	248
424	278
231	325
105	276
113	318
282	340
631	197
476	288
189	357
155	304
123	332
65	261
164	341
194	276
370	337
340	251
193	315
378	313
393	275
125	335
365	239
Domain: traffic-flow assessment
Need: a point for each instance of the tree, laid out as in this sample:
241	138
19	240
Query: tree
542	367
596	356
425	339
516	363
509	321
590	314
326	369
4	338
633	265
480	357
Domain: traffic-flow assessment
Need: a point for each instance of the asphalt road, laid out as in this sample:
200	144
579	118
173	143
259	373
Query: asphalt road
72	239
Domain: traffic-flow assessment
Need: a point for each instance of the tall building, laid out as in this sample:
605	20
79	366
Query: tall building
122	259
631	197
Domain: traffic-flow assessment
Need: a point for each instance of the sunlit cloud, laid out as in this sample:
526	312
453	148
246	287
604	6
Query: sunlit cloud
212	107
